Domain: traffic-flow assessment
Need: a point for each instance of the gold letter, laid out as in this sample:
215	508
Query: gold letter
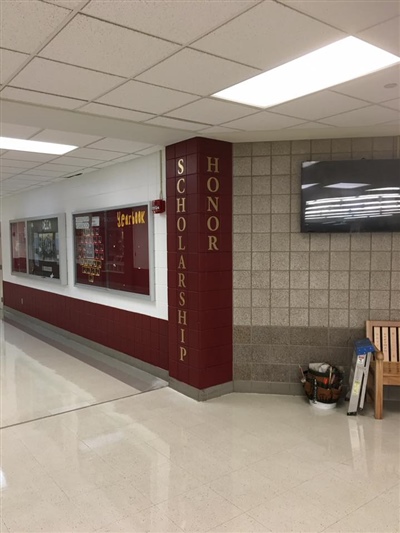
181	224
216	184
181	205
181	280
122	220
181	263
183	331
181	166
180	247
119	218
212	242
182	299
178	185
141	217
183	352
212	162
216	223
129	217
212	202
182	317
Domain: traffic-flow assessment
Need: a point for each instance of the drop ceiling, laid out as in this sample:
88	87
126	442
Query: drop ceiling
120	79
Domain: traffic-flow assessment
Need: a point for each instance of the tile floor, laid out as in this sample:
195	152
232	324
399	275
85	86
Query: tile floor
160	462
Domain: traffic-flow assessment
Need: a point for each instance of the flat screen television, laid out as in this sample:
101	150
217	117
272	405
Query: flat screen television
350	196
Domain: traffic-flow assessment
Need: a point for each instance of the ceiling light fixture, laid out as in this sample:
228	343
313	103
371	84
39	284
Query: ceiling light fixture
39	147
336	63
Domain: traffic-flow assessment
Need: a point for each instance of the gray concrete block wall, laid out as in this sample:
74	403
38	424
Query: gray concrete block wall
302	297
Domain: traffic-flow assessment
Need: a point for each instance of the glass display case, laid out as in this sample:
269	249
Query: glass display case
112	249
18	246
39	248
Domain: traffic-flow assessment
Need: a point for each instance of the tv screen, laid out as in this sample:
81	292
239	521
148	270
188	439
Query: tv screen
350	196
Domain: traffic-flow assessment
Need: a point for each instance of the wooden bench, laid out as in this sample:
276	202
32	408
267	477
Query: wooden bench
385	368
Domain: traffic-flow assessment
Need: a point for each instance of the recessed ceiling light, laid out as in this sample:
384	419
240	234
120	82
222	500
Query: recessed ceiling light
22	145
336	63
390	86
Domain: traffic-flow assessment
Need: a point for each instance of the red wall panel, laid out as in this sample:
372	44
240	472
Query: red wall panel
140	336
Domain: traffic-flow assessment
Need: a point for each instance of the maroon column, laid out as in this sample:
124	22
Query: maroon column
199	225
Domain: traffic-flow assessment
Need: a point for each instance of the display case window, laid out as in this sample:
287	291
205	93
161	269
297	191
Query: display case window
18	246
44	248
38	247
112	249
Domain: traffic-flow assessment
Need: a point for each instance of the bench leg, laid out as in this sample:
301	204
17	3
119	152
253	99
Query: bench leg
378	400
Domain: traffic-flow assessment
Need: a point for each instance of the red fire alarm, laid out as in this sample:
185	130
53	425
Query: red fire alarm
158	206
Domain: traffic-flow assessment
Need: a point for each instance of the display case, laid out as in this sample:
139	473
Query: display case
39	248
18	246
114	249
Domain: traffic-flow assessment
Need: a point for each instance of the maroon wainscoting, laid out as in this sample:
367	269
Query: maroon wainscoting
199	223
140	336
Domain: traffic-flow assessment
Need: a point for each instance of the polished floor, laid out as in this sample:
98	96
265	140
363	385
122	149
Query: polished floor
84	451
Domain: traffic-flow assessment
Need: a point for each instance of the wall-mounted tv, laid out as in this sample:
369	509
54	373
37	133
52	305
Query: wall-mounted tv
350	196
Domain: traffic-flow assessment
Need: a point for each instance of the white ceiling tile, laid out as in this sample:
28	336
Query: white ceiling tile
177	21
393	104
21	180
34	97
385	35
27	25
12	185
65	137
263	121
116	112
311	126
16	131
5	175
64	169
43	173
64	80
351	16
145	97
29	156
98	155
70	4
217	129
80	162
116	161
151	150
92	43
17	164
10	62
11	170
363	117
268	35
119	145
371	88
197	73
176	124
211	111
319	105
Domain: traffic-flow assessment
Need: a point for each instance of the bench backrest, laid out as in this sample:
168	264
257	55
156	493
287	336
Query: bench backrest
385	334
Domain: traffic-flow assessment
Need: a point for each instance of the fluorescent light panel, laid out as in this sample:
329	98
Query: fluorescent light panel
39	147
336	63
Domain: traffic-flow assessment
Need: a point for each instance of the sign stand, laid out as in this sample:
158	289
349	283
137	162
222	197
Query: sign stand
363	351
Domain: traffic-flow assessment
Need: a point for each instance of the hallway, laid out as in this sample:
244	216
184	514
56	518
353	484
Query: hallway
89	450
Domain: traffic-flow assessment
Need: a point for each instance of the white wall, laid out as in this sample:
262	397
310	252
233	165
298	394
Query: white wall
124	184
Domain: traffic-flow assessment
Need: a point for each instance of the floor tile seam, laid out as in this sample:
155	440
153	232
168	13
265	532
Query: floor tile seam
46	417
